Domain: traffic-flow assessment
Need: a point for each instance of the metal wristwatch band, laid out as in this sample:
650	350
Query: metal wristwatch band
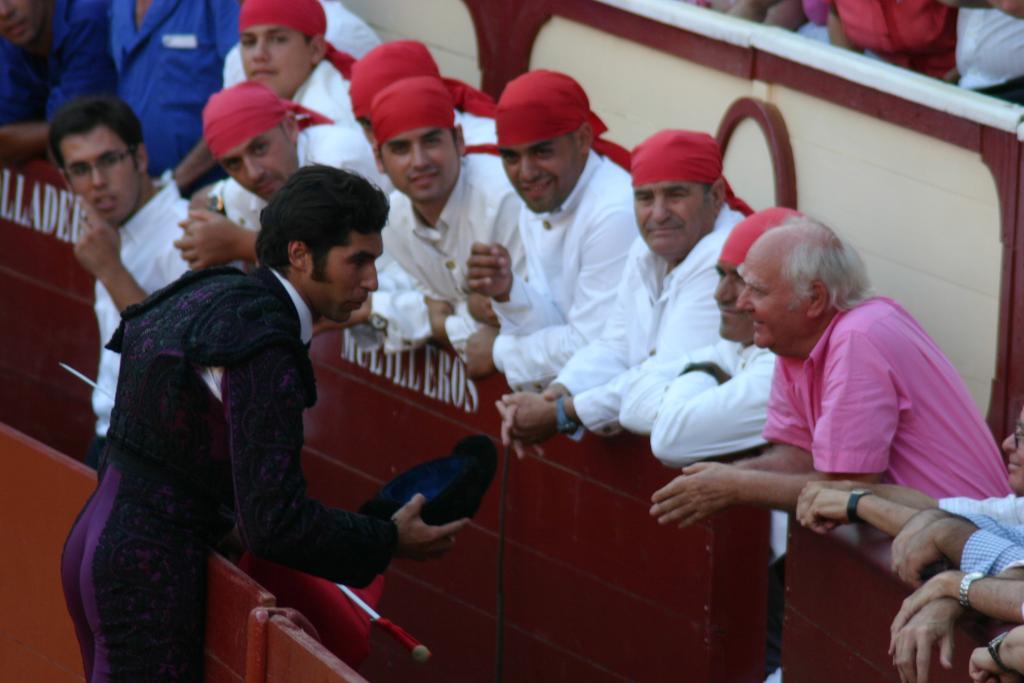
993	651
965	587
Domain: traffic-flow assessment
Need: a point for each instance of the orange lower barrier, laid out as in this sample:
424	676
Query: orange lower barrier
41	493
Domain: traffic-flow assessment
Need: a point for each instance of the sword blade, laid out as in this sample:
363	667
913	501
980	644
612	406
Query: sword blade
85	379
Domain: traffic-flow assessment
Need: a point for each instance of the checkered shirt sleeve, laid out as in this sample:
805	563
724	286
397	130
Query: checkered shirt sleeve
993	548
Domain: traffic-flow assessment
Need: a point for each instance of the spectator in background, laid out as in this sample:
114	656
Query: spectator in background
398	59
169	57
916	34
260	140
444	201
345	30
282	45
1012	7
577	225
807	17
782	13
50	52
989	46
128	227
663	308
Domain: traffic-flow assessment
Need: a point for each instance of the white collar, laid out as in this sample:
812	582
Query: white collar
154	208
305	316
449	214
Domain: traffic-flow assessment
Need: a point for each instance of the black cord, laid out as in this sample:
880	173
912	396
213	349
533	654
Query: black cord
499	611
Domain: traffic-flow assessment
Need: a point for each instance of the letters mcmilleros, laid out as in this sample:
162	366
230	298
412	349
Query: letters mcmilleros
430	371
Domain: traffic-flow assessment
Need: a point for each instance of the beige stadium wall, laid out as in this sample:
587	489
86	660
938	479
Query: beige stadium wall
445	26
923	213
913	205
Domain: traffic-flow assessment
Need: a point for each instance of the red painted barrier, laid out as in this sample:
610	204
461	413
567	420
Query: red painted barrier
594	589
841	597
46	313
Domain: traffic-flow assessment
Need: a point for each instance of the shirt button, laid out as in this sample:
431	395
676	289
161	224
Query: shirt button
449	264
547	225
654	351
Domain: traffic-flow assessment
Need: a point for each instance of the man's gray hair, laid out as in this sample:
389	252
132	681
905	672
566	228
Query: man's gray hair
818	253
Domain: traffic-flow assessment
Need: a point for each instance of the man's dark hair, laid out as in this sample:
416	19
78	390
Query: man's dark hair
321	206
83	114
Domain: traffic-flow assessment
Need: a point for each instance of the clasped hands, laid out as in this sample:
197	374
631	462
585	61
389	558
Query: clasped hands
210	239
528	419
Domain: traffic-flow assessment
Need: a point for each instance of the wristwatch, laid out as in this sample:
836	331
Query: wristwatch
851	504
965	586
379	323
563	423
993	651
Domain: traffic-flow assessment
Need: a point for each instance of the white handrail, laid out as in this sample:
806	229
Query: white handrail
845	64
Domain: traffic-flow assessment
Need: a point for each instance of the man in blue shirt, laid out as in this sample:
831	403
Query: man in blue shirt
51	51
170	58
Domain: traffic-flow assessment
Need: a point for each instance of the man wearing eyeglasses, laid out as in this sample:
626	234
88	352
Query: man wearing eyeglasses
128	223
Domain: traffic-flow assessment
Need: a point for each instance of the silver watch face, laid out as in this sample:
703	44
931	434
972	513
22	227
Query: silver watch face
378	322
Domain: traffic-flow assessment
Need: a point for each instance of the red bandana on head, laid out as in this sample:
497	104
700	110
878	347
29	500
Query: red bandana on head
541	105
398	59
747	231
682	155
411	103
305	16
240	112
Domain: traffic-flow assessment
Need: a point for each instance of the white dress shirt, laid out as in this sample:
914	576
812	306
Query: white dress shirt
574	260
483	207
691	416
1008	510
659	315
989	47
149	254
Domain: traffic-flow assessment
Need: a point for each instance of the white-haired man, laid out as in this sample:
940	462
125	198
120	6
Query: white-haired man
860	390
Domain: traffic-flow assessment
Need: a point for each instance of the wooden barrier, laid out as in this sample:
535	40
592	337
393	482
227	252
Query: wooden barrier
46	313
841	597
594	589
40	496
41	493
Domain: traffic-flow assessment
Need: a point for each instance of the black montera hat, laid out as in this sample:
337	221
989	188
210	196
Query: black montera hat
453	485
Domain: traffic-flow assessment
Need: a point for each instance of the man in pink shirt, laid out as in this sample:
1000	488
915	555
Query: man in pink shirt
860	391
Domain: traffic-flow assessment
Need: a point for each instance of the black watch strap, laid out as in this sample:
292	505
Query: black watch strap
993	650
851	504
